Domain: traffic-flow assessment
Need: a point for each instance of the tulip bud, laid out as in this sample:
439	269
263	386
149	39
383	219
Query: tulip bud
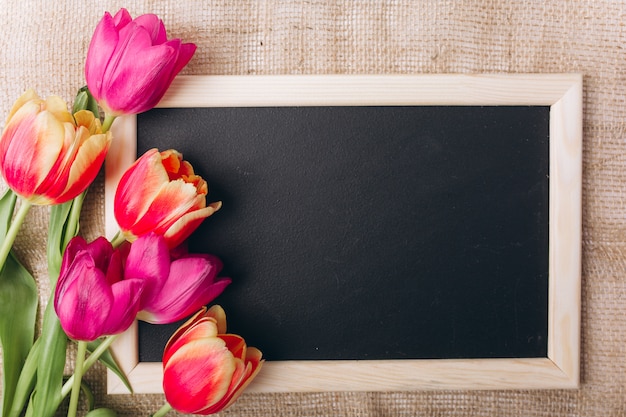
160	193
204	369
48	156
131	63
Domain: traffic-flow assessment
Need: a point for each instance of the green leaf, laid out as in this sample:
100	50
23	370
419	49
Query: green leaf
86	390
7	207
85	101
57	237
109	361
102	412
26	383
18	313
51	365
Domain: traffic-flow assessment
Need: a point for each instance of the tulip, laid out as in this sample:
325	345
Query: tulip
160	193
48	156
131	63
92	298
204	369
174	288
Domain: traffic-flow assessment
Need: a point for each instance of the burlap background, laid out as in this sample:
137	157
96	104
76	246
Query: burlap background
43	45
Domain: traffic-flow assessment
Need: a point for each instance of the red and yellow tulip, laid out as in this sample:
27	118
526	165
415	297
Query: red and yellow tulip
48	155
160	193
204	369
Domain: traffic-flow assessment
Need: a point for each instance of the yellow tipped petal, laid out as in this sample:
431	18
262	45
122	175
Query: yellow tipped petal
28	95
58	108
87	119
217	312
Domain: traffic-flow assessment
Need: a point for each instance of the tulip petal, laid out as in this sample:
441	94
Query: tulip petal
27	96
186	224
31	146
103	43
190	284
83	300
172	201
243	375
236	344
100	251
200	328
115	268
86	165
198	374
189	324
185	53
126	304
75	245
149	260
122	18
137	188
154	26
58	108
55	180
217	313
135	69
234	389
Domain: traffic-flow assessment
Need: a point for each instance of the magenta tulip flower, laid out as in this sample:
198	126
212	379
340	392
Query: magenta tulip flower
92	297
174	288
160	193
131	63
48	155
204	369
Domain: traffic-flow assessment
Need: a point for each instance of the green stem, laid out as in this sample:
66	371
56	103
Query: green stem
106	124
73	219
118	239
89	362
163	410
78	374
7	244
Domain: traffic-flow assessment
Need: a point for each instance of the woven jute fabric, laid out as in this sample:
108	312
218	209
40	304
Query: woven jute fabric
43	46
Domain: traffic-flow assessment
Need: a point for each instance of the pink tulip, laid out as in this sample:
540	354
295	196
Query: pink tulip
173	288
92	298
131	63
204	369
47	155
160	193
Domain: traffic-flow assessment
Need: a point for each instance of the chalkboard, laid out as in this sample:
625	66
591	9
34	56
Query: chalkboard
373	232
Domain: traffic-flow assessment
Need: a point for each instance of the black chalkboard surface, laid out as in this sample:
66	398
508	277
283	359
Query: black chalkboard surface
372	232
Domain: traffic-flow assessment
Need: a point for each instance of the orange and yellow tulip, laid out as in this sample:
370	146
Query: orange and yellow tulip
204	369
160	193
48	155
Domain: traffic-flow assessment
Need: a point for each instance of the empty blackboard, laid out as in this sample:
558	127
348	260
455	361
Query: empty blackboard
375	232
372	232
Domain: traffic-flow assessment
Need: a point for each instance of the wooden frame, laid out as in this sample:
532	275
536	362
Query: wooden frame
562	92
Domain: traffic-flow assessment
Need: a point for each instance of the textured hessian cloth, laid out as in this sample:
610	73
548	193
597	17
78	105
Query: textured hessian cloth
43	46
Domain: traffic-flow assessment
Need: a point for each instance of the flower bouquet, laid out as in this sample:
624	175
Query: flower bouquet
50	156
